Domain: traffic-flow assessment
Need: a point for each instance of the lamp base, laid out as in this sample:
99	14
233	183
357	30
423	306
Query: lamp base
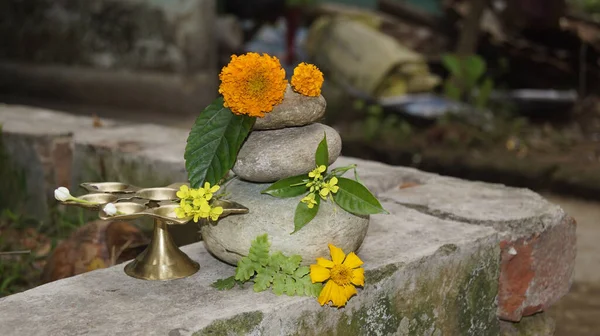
162	259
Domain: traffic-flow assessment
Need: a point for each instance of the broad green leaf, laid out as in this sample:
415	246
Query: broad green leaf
223	284
291	264
214	142
288	187
299	287
278	284
259	250
245	269
301	271
356	198
322	153
304	214
262	280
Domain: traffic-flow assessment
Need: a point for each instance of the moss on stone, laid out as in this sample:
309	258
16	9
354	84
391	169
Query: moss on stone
241	324
445	297
377	275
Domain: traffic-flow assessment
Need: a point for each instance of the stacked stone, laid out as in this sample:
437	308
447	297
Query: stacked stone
283	143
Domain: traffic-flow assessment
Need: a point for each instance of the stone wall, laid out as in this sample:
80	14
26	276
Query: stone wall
132	53
452	258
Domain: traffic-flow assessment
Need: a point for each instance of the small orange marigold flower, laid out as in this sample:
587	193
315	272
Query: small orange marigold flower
252	84
307	80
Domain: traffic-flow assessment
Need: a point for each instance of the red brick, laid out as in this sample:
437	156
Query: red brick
540	272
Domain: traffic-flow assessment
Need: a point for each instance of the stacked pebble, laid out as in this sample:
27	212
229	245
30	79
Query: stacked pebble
283	143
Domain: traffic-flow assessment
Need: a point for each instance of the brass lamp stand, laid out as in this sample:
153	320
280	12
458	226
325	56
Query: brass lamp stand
162	259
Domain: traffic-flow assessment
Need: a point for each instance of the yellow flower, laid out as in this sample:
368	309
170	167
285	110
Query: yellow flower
342	274
307	80
309	200
215	213
252	84
184	192
197	193
180	212
316	173
208	192
328	187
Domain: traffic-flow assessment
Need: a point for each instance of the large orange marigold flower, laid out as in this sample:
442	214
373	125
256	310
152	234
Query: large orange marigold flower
252	84
307	80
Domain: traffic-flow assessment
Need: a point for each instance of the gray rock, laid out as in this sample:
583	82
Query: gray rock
295	110
268	156
231	237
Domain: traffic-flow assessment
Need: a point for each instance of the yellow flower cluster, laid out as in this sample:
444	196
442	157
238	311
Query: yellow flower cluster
318	185
307	80
252	84
195	203
342	274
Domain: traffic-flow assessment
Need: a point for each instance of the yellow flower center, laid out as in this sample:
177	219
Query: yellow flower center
257	85
341	275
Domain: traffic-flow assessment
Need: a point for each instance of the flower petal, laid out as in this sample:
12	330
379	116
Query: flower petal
338	295
349	291
358	277
318	273
325	295
337	255
325	263
352	260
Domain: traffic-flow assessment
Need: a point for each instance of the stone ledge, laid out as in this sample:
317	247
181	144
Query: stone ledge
452	262
534	239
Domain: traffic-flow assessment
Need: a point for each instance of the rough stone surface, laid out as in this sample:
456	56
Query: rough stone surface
425	276
448	243
231	237
295	110
268	156
538	238
535	325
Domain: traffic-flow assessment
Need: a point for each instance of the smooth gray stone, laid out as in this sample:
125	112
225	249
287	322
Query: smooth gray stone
268	156
231	237
294	110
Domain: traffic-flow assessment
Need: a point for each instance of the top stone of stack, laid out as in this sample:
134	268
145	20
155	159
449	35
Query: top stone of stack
283	142
295	110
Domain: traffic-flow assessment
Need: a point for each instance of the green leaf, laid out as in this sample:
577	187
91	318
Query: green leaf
310	289
263	279
214	142
259	250
484	93
474	67
288	187
452	64
291	264
452	91
290	286
276	259
339	171
304	214
223	284
356	198
322	153
278	284
245	269
301	271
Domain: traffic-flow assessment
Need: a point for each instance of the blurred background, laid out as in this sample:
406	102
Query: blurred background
502	91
